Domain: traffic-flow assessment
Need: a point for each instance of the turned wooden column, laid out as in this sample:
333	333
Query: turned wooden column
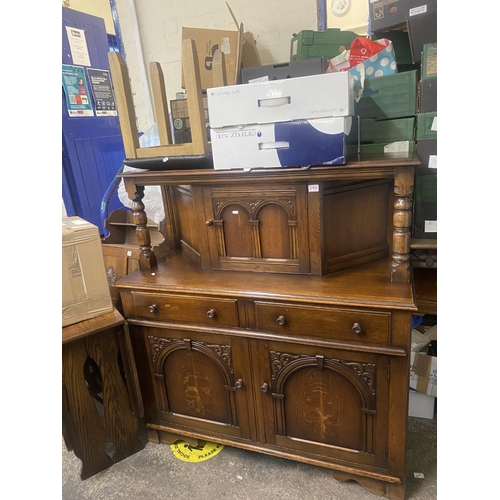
147	258
403	192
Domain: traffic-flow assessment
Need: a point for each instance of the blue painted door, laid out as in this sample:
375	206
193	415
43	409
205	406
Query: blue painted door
92	146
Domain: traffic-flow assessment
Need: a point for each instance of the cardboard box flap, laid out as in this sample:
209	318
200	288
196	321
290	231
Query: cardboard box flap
238	47
249	55
76	230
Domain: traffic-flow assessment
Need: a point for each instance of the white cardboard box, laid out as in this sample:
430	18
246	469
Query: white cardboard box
302	98
323	141
85	289
421	405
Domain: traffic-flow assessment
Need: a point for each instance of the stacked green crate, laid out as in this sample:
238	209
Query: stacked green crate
387	110
425	206
328	43
426	146
425	199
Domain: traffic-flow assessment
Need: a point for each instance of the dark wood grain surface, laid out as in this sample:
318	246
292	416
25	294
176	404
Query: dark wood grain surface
367	285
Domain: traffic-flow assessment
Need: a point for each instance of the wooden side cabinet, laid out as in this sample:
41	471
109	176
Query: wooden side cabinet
102	412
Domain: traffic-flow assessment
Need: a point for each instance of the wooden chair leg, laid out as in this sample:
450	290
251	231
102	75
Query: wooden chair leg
194	96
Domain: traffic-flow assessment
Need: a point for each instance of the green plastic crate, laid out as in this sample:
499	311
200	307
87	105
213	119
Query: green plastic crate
389	96
378	131
328	43
426	126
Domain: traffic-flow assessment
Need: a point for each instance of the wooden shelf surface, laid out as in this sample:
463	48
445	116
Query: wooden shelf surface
425	280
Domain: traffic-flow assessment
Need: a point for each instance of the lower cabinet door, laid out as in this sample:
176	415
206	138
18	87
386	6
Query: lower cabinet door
325	402
198	381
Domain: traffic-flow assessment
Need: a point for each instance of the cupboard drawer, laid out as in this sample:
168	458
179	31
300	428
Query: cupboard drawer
323	322
185	308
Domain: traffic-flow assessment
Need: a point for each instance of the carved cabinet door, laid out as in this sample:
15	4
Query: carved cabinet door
260	228
198	381
325	401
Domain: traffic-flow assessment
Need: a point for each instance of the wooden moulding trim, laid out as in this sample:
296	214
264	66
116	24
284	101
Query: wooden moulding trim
270	450
208	176
240	332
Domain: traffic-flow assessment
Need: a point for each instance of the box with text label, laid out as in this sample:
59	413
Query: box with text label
322	141
301	98
239	52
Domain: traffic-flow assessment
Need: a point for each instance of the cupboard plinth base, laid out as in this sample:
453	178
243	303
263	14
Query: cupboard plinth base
392	491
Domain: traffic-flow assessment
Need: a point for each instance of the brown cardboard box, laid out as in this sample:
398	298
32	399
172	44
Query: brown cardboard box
85	289
423	373
207	42
417	17
239	49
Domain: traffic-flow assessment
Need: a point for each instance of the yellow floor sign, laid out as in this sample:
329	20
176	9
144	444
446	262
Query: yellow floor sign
188	453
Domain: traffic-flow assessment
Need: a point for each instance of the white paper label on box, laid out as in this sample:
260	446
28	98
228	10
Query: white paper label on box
313	188
433	161
225	46
422	9
129	253
397	147
435	124
260	79
430	226
295	46
235	212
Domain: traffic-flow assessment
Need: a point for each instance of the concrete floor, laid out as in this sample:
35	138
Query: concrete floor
155	473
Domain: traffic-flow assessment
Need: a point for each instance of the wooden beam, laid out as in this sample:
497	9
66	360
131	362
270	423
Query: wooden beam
194	97
160	103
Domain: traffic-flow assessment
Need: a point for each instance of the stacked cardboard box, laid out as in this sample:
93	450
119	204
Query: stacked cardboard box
299	121
415	17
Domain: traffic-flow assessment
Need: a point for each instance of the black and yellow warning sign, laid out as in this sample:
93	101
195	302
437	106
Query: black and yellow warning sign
189	453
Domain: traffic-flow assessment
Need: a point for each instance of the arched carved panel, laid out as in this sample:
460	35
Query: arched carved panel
237	231
256	228
273	220
325	400
200	378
